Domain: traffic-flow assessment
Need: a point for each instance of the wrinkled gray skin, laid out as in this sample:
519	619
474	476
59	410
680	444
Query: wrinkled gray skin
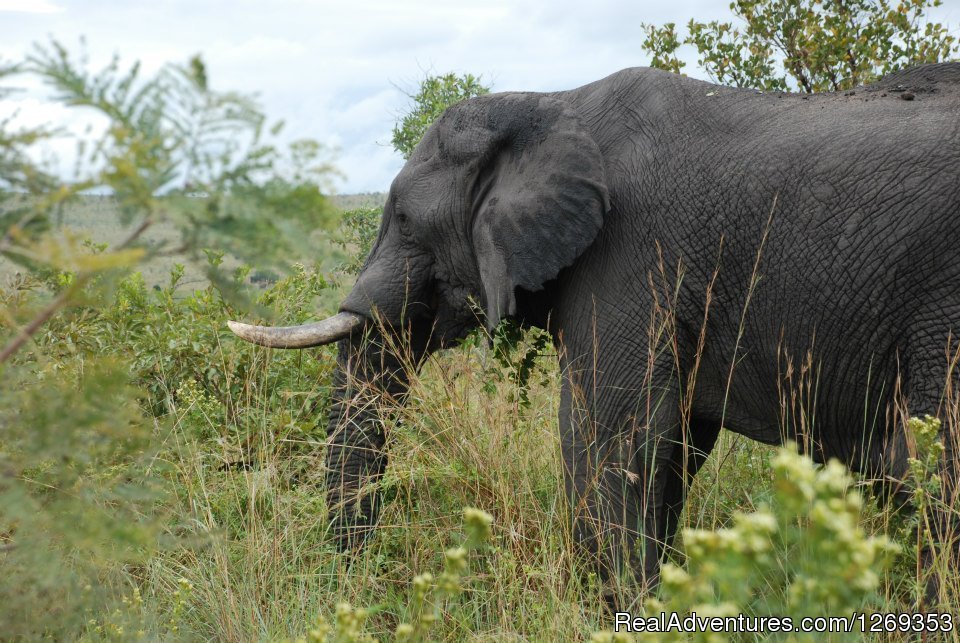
554	209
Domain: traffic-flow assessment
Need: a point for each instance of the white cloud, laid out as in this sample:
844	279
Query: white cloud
331	68
29	6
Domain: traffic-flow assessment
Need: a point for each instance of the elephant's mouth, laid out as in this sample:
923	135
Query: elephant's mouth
439	313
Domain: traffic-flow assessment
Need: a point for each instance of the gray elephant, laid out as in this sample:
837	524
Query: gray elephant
689	248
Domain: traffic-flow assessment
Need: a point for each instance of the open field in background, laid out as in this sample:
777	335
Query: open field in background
97	216
353	201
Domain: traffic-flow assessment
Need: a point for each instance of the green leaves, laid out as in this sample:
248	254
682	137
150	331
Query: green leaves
804	554
436	94
175	150
93	360
73	496
358	231
662	43
807	45
515	352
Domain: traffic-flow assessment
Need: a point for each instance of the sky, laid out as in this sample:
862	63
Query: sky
339	70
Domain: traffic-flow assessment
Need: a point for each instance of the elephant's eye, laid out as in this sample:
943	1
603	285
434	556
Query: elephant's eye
404	221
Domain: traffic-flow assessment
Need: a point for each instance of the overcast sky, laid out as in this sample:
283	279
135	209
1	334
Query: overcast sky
335	70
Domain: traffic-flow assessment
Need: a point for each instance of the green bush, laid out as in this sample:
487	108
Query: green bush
803	555
807	45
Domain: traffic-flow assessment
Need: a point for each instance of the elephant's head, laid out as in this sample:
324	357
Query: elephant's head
502	193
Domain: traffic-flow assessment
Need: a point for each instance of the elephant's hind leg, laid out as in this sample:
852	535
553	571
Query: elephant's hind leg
933	387
688	456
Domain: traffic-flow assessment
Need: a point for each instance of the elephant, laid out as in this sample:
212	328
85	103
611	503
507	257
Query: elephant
692	251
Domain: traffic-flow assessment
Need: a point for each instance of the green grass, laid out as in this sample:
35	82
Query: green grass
265	546
265	570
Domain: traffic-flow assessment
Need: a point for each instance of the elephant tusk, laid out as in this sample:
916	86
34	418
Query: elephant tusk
318	333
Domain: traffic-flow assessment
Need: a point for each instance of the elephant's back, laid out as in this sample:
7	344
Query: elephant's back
922	79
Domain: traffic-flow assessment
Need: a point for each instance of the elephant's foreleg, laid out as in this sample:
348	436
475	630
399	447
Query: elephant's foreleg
617	442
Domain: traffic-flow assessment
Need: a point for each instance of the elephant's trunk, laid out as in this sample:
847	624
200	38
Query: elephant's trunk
366	378
390	299
318	333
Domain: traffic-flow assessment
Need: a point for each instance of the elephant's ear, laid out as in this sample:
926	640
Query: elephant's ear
539	199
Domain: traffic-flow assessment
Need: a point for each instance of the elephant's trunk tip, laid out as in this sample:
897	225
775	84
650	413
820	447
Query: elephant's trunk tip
318	333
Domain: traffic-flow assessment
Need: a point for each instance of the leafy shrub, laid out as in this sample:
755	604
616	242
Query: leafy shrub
803	555
358	232
95	363
807	45
434	95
